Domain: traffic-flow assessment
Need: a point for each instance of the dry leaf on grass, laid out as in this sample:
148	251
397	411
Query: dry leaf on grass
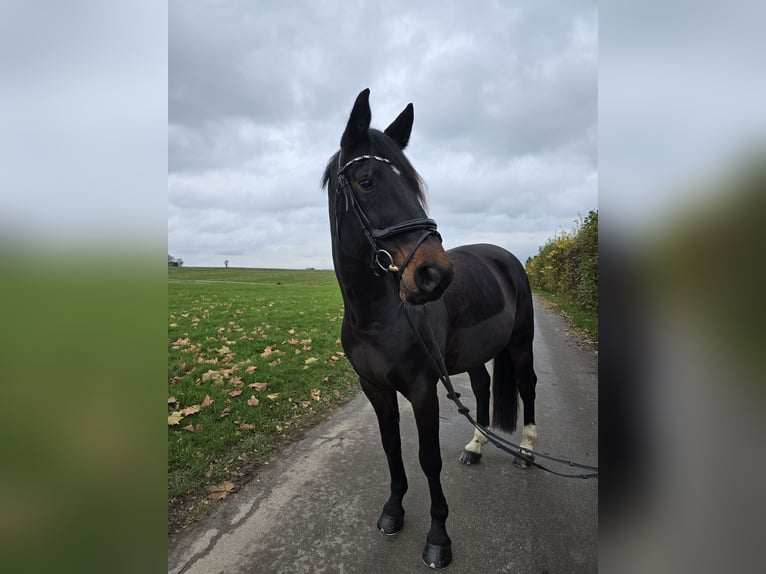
257	386
220	491
174	418
194	409
207	402
253	401
235	393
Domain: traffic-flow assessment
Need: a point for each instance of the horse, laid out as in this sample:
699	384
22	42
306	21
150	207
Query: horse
400	290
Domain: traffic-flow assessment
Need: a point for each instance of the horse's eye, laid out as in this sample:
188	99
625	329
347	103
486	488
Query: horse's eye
365	183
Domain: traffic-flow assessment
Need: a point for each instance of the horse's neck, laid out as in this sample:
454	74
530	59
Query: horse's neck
367	298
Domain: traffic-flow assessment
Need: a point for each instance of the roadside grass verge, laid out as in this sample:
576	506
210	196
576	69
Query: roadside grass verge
583	319
249	367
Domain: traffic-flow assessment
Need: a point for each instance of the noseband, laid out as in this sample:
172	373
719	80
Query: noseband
381	260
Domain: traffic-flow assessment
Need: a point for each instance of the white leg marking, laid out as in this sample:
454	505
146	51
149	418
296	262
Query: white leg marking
528	437
477	442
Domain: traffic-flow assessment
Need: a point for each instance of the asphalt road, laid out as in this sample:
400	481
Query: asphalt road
314	509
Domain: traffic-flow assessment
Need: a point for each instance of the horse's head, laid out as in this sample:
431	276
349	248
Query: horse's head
378	207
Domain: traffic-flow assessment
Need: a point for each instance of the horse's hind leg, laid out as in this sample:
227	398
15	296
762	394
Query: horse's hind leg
386	408
526	380
480	383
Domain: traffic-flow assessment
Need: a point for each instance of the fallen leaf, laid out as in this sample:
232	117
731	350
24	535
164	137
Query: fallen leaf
224	412
293	341
207	402
257	386
275	363
311	360
272	396
174	418
237	381
305	341
246	426
235	393
173	401
266	352
189	428
250	369
212	375
316	394
224	350
253	401
190	410
220	491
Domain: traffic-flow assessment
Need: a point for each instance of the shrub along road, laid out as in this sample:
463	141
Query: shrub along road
314	509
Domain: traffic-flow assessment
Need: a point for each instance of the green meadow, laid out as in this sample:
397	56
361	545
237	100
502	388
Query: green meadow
254	357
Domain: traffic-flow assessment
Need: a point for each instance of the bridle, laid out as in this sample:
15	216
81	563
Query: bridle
381	261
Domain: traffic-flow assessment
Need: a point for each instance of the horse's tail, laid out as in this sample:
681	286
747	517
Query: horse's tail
505	395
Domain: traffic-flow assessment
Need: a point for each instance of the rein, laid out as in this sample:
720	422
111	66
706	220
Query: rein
515	450
345	193
345	201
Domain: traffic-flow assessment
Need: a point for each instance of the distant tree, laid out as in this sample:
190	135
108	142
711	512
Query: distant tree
180	262
226	263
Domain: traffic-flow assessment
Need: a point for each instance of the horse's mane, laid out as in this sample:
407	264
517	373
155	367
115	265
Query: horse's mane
384	146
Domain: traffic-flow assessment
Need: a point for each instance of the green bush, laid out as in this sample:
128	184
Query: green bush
568	264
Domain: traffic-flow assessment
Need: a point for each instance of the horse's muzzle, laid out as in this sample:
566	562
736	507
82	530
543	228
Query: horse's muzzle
426	280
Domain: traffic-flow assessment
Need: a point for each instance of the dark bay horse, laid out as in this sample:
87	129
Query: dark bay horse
472	303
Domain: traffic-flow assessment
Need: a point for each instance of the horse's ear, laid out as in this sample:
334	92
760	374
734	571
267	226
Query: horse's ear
358	122
401	128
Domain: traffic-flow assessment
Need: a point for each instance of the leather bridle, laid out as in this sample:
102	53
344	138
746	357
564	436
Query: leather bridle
380	260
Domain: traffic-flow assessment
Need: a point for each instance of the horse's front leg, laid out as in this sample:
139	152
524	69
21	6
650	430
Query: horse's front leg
425	404
386	408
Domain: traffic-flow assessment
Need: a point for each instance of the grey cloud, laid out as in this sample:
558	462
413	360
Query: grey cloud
259	95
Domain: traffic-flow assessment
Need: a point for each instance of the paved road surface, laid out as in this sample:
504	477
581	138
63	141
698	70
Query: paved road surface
314	509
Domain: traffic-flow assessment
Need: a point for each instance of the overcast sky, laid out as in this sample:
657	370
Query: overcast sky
505	132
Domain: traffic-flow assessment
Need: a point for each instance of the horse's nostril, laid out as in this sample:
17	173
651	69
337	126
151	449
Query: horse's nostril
427	278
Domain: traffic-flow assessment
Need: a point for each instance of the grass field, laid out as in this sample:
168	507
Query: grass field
254	356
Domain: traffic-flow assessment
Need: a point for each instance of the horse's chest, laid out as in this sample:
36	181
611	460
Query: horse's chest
378	357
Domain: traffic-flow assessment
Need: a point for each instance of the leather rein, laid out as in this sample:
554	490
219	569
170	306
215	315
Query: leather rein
345	201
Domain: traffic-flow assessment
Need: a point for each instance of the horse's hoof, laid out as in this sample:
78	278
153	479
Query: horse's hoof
437	557
468	457
521	463
390	525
